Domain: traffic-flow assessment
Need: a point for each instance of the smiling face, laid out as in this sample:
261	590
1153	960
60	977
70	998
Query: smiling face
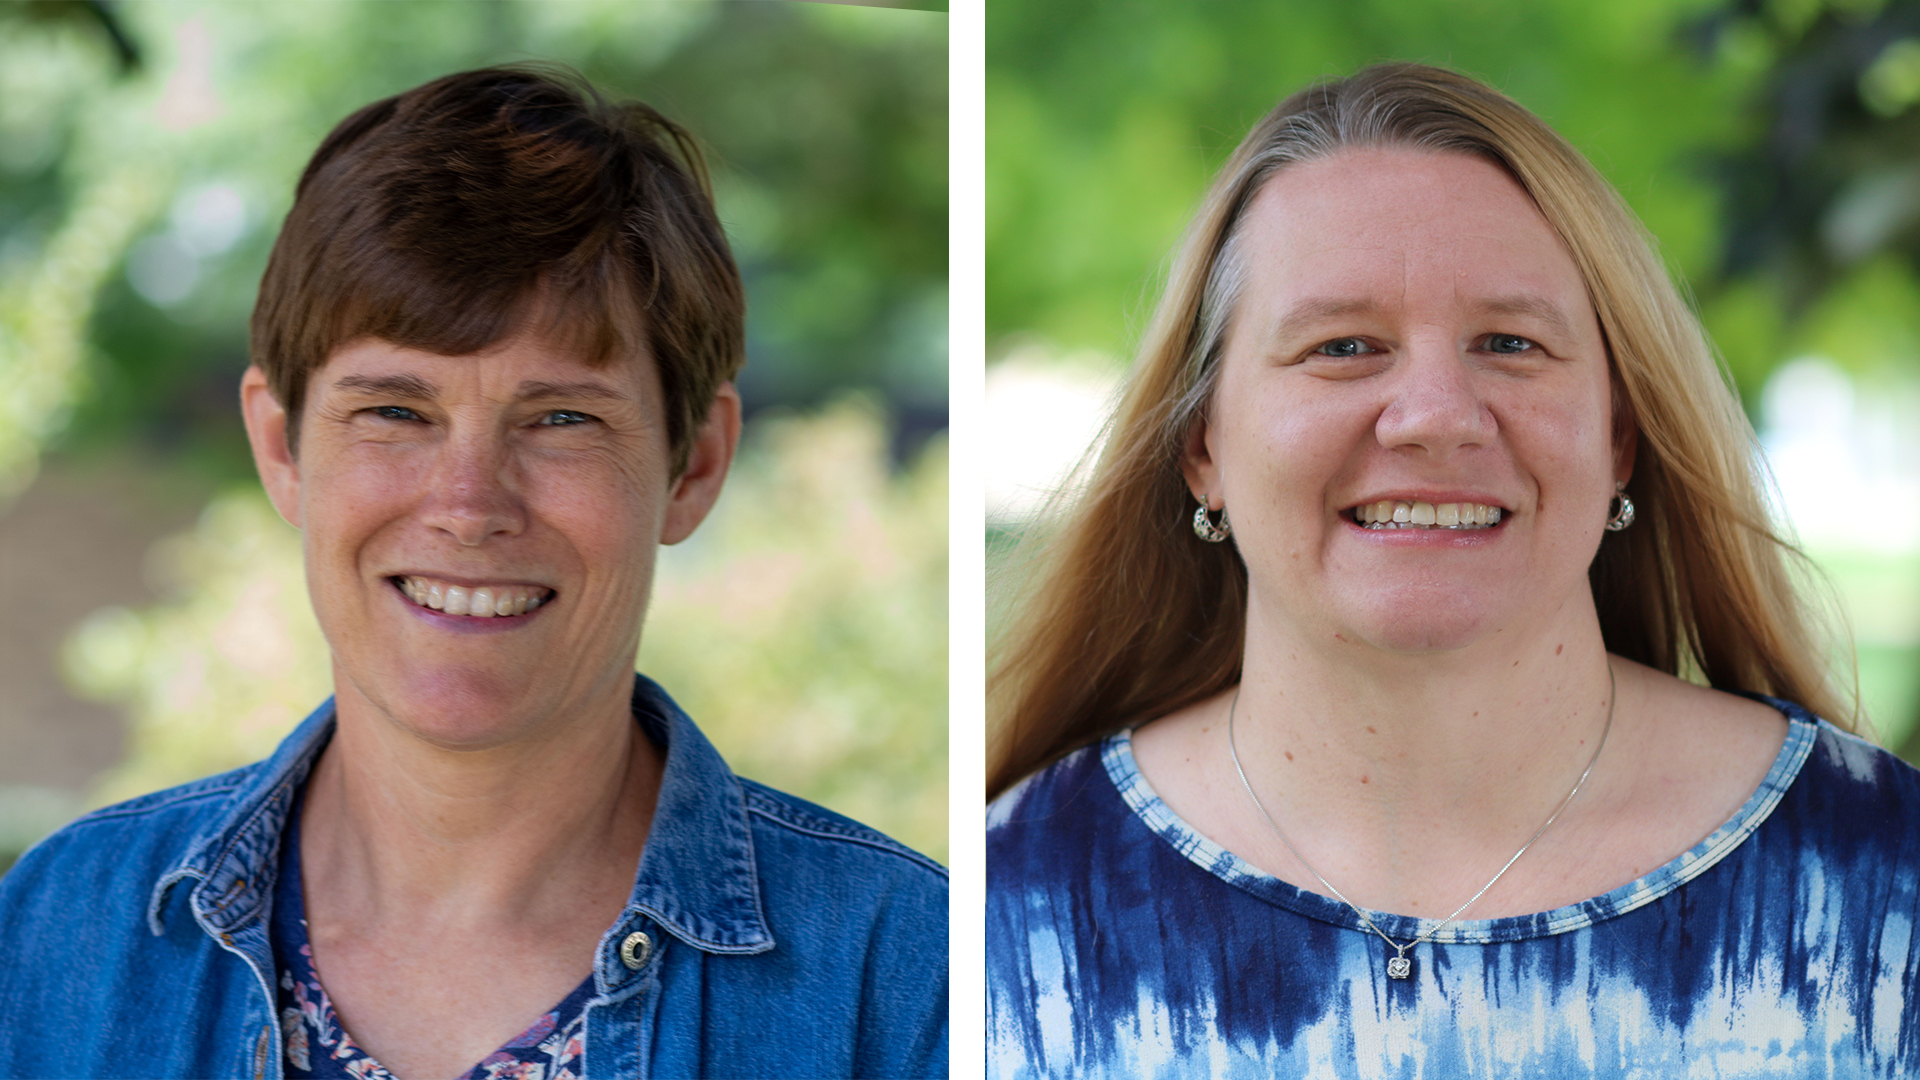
518	478
1413	341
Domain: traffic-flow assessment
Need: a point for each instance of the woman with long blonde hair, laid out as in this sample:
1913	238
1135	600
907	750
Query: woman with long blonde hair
1417	685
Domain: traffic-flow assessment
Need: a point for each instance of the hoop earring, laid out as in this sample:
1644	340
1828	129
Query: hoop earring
1621	515
1207	530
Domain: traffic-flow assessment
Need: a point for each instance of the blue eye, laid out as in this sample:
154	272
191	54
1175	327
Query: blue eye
564	418
1508	343
395	412
1343	347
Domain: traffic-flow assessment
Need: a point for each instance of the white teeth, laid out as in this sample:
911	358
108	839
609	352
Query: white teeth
1411	514
484	602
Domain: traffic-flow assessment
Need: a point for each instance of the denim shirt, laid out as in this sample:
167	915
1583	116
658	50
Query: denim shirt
785	940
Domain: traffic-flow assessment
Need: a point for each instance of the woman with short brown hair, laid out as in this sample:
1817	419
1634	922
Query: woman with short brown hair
493	362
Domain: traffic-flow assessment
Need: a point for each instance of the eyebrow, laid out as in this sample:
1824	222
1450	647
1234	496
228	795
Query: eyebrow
534	390
1318	309
405	386
415	388
1526	306
1305	314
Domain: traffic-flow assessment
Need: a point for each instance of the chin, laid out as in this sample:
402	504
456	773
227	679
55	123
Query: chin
459	708
1425	638
1435	624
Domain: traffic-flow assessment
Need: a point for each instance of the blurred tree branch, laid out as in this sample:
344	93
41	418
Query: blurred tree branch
101	15
1829	176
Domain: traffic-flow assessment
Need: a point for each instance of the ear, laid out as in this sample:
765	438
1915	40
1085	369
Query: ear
267	432
1197	463
708	459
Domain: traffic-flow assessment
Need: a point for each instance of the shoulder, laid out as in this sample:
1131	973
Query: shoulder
861	925
1835	868
795	822
1054	830
1847	810
811	860
86	950
1062	795
124	846
115	857
1846	775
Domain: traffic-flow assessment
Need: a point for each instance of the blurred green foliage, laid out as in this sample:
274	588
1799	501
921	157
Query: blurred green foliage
1831	176
803	627
213	677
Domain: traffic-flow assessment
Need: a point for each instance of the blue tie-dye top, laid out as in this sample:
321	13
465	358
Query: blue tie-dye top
1122	943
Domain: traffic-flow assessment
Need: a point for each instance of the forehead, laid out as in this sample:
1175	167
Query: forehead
525	365
1388	227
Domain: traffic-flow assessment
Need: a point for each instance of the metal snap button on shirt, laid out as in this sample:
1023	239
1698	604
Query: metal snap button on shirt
635	950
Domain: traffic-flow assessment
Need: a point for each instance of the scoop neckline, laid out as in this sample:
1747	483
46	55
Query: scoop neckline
1146	806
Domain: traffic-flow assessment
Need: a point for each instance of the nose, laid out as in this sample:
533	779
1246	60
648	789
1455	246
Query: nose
473	495
1434	405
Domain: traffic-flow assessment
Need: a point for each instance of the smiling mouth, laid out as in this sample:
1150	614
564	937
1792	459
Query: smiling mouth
482	601
1403	514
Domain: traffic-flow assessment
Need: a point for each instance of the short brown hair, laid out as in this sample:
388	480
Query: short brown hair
452	216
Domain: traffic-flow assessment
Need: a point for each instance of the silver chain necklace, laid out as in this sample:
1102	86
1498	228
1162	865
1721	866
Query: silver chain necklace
1398	966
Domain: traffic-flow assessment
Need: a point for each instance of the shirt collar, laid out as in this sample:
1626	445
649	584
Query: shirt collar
234	859
697	877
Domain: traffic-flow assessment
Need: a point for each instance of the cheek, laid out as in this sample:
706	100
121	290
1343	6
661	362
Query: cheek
346	501
606	507
1569	450
1287	447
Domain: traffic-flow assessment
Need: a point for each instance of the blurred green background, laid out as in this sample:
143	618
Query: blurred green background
1773	147
148	152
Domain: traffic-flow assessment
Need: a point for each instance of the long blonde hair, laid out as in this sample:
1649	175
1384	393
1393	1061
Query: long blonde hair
1123	616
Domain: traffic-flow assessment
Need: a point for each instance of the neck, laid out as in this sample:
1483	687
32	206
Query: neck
399	829
1409	779
1434	731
